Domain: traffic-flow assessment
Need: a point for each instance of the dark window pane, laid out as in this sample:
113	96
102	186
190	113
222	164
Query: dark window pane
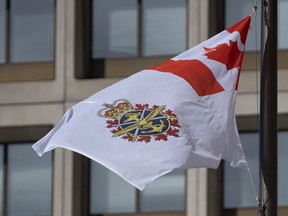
29	181
109	192
166	193
2	30
114	28
164	27
282	168
32	30
282	24
238	191
237	10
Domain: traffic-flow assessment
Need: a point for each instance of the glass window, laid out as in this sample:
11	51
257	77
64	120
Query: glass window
282	24
236	10
107	31
108	191
282	167
31	30
114	28
166	193
127	28
29	181
238	191
2	30
164	27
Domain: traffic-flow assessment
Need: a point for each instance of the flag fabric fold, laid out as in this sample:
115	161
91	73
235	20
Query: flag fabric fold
179	114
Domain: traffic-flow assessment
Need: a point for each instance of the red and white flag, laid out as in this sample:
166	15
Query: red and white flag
179	114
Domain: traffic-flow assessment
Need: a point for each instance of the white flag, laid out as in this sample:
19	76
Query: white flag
179	114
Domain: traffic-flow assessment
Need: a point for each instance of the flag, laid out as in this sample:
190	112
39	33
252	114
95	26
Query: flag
179	114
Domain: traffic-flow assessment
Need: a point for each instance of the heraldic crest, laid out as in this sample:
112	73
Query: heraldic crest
140	123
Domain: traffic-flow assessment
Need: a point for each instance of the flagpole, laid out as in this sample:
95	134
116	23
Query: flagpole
268	111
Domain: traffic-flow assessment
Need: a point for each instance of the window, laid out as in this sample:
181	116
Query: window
26	181
282	25
116	27
121	29
110	194
163	27
108	190
238	192
166	193
236	10
26	37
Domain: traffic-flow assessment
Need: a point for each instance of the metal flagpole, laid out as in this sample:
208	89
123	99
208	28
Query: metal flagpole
268	111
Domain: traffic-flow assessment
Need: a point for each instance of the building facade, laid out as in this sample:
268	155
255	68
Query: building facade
55	53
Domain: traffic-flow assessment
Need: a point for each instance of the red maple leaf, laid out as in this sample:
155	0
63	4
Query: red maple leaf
174	123
154	107
230	55
161	137
128	137
170	113
173	132
111	123
144	139
141	106
115	130
195	72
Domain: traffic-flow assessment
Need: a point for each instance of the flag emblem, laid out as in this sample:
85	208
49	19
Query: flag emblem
140	123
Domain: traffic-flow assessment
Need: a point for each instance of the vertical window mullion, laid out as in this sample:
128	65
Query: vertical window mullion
139	28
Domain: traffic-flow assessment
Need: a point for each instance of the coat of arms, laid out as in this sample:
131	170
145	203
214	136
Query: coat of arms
140	123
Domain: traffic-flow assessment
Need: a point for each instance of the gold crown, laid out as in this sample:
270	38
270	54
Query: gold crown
116	109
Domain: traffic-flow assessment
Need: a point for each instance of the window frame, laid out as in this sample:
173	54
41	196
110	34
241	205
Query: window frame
252	57
86	67
25	135
28	71
250	124
138	203
81	187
